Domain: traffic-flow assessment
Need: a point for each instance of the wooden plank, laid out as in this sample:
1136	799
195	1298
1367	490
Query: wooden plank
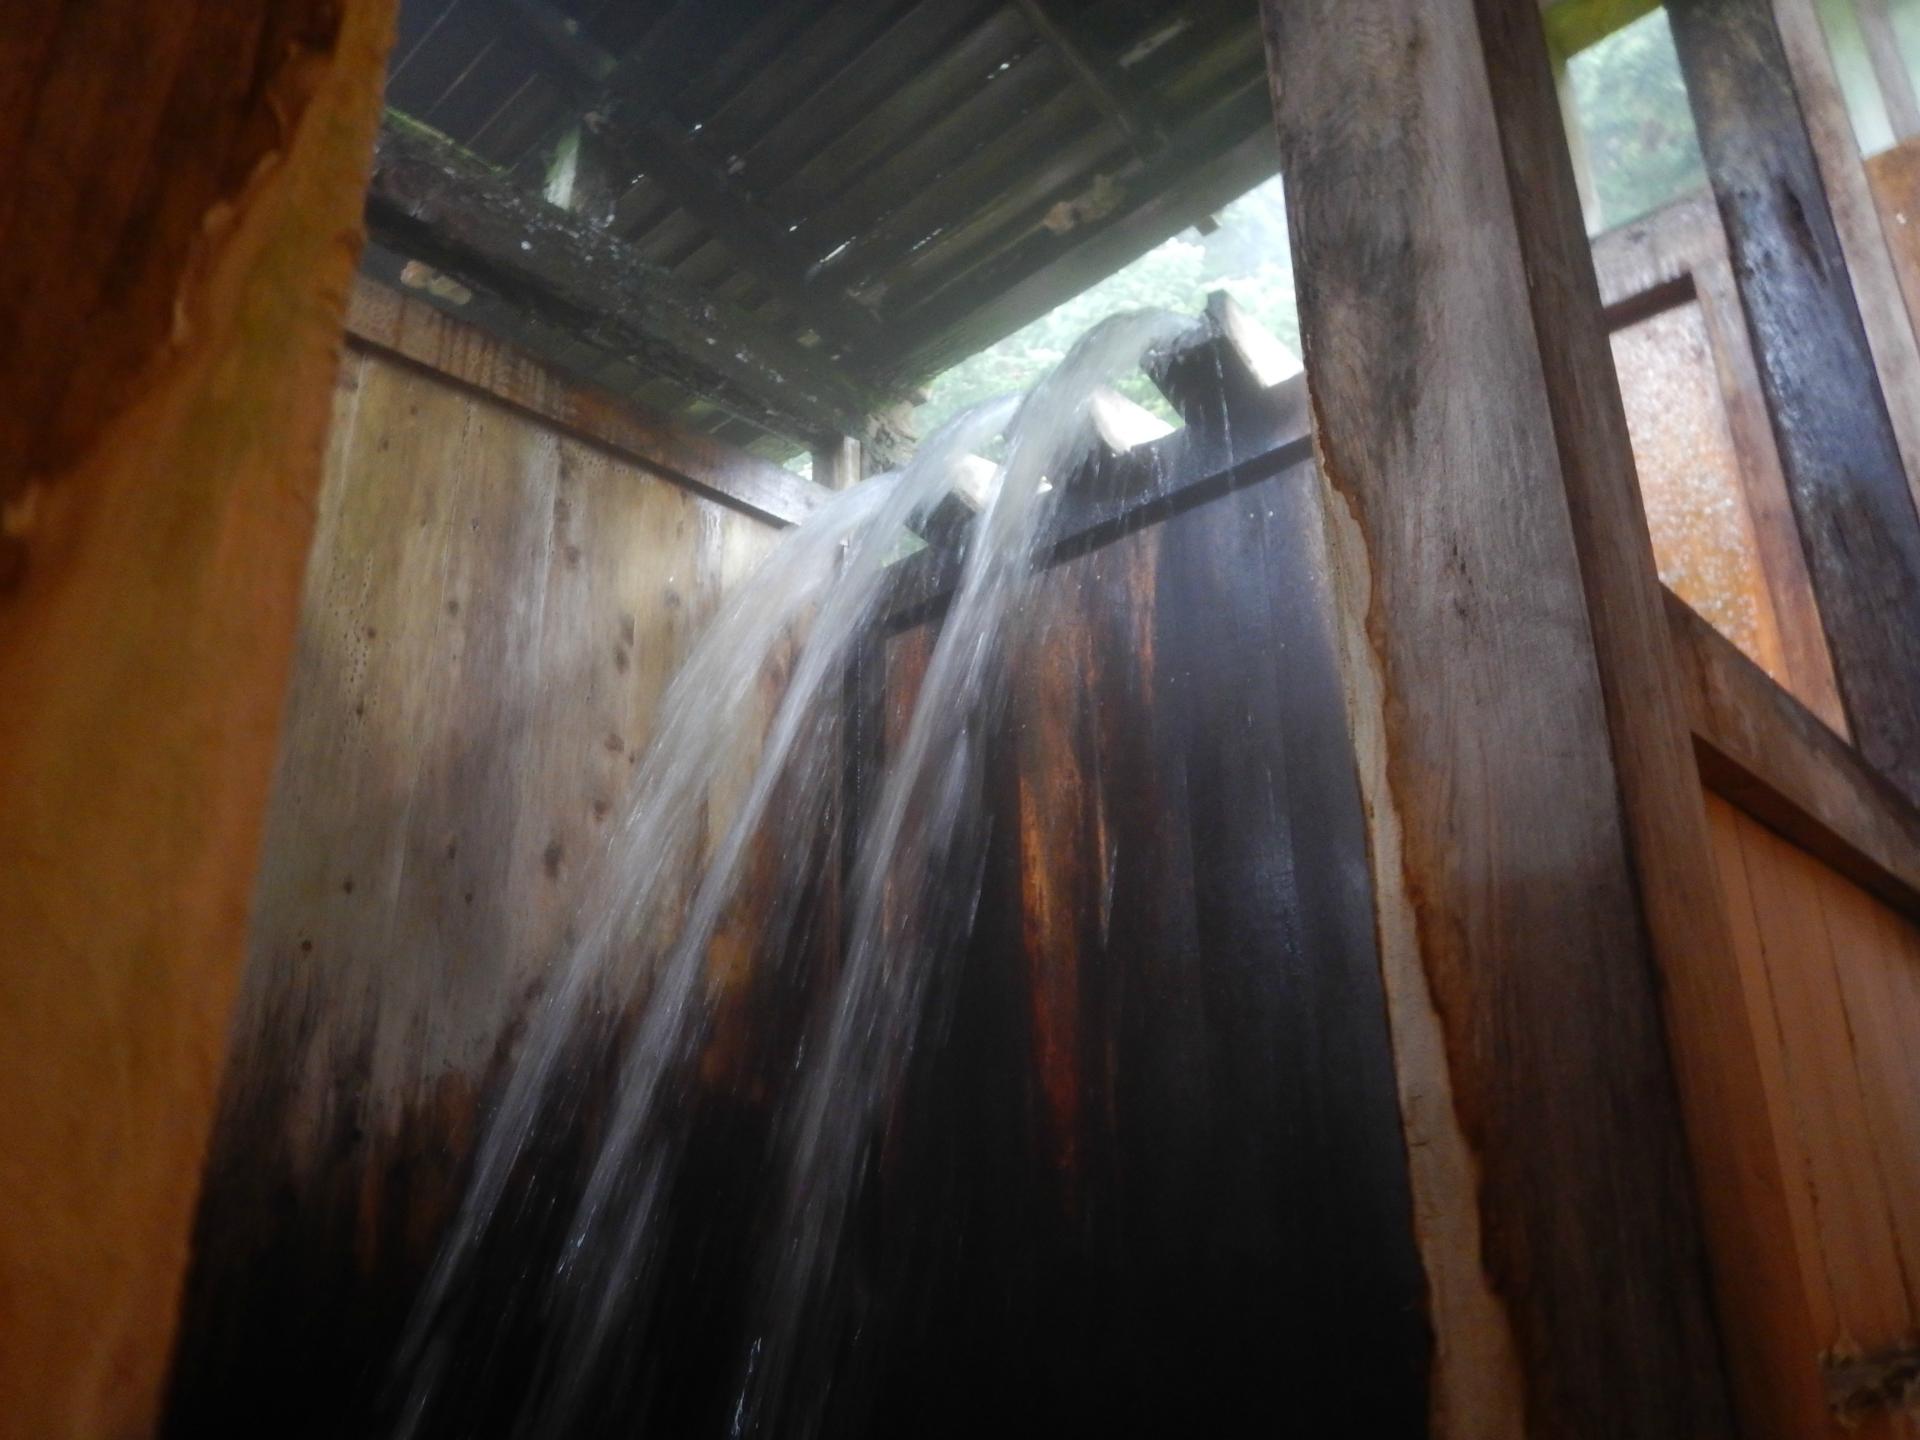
1837	444
180	194
431	203
1770	755
1663	259
1017	286
491	616
1871	255
1854	1234
1107	83
399	325
1515	597
1168	1059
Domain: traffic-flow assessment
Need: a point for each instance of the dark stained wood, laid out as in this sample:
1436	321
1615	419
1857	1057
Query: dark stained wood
565	278
1876	285
1106	82
179	194
1177	189
1771	756
1836	439
412	330
1164	1123
1425	293
1149	1169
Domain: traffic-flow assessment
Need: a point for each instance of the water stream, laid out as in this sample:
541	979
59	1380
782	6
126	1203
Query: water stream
638	983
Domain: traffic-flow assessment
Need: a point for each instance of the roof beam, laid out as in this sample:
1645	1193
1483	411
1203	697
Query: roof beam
1110	87
1213	162
621	109
586	301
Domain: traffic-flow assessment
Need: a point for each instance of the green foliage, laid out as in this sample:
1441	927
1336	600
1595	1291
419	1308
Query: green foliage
1247	255
1631	101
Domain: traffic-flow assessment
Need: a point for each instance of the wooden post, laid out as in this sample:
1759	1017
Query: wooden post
1539	835
839	463
1836	438
180	190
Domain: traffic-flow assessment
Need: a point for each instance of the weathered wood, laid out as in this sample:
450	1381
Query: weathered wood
391	321
433	204
1871	256
1674	255
1771	756
1424	292
1893	177
1108	85
1164	1100
179	193
622	97
1180	187
491	615
1836	439
838	464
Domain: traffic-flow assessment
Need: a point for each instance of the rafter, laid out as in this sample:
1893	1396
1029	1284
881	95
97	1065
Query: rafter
567	289
1109	86
619	105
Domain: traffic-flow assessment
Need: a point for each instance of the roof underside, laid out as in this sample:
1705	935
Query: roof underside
892	184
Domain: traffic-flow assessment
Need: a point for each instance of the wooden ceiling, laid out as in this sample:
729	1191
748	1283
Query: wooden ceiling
888	185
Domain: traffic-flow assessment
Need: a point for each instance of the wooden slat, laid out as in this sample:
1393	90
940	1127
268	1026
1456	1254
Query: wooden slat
414	331
1679	252
557	273
1837	444
1422	293
1896	343
491	615
1106	82
1769	754
179	190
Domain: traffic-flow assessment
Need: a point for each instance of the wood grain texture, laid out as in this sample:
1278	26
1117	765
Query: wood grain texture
1510	593
492	612
179	193
1172	1185
1838	447
410	329
1764	751
1872	258
1656	262
1834	995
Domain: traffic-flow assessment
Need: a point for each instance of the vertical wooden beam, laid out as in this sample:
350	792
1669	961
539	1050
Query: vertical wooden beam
1540	838
179	205
839	463
1856	215
1837	442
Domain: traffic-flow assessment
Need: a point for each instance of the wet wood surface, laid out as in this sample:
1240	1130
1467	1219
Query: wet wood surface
1148	1168
1161	1143
491	613
1837	444
1496	556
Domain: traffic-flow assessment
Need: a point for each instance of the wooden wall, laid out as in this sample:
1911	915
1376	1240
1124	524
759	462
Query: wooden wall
1832	981
493	606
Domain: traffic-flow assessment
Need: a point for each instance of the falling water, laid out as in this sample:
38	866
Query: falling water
638	980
